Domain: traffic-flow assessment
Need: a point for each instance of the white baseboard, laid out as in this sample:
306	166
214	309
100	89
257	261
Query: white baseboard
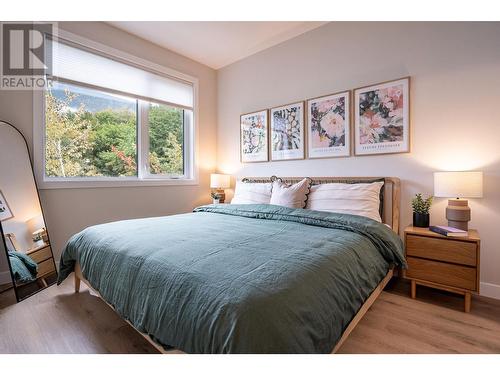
5	277
490	290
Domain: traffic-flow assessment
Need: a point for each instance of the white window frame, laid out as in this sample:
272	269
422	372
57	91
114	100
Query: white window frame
144	177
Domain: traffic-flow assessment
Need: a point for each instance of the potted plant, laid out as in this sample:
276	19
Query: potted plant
215	197
421	208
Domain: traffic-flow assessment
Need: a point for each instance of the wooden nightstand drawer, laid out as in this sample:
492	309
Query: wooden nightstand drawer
45	267
41	255
443	249
442	273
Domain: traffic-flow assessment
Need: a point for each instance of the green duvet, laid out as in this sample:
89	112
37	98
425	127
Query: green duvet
237	278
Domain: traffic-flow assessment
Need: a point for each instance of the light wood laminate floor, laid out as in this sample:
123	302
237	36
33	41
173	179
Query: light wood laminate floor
59	321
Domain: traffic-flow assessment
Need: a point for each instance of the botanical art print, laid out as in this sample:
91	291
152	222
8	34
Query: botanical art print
5	212
382	122
254	137
287	132
328	126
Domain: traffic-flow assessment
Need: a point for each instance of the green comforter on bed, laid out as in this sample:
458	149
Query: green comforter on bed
237	278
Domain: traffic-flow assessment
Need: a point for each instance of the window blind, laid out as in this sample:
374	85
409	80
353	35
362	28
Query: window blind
80	65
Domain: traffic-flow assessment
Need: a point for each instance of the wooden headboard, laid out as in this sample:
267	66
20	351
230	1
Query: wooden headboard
391	192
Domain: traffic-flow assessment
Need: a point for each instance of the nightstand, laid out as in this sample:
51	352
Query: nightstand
447	263
43	256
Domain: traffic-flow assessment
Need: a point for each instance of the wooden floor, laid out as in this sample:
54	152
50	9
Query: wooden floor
59	321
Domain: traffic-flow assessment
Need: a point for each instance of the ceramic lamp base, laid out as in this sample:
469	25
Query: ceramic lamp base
221	194
458	213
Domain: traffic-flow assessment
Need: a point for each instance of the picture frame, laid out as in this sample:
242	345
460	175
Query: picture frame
254	134
5	211
382	118
287	132
329	126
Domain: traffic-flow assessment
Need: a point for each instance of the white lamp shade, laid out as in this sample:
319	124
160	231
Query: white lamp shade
458	184
220	181
35	223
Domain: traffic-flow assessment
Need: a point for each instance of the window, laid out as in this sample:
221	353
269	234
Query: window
89	133
166	134
109	122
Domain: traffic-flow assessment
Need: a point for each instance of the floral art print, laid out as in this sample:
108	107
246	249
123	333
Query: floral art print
382	118
287	132
328	126
253	131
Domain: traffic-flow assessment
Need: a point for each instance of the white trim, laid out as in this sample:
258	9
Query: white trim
113	182
142	140
38	136
490	290
57	263
39	126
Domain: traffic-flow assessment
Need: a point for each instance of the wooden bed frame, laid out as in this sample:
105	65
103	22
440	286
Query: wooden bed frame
389	214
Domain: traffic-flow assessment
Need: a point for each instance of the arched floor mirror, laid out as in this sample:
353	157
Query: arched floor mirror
26	259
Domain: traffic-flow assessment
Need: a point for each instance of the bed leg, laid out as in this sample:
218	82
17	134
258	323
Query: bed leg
77	283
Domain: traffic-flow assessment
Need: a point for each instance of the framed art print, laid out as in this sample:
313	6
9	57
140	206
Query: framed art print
253	137
5	212
287	132
328	126
382	118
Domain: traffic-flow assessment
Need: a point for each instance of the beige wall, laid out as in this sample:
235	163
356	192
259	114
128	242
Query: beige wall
455	70
455	90
68	211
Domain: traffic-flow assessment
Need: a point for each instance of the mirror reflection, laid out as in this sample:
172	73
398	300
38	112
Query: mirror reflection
28	258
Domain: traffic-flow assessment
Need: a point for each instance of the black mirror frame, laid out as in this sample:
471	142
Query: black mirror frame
18	299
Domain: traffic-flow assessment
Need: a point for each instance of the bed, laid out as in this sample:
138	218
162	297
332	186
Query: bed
242	278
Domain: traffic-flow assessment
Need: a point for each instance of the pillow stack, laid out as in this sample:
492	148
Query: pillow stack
252	193
279	193
293	196
361	199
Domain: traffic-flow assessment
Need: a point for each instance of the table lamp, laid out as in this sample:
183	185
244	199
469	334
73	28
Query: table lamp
36	226
458	185
219	182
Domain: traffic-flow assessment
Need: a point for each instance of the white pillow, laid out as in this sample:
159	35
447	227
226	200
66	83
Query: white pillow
293	196
355	199
252	193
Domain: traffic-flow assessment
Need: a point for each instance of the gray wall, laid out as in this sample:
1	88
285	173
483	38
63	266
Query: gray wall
68	211
455	89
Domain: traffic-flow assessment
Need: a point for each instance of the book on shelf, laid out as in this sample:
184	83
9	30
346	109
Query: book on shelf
448	231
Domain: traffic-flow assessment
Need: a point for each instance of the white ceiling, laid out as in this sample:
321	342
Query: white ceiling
216	44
